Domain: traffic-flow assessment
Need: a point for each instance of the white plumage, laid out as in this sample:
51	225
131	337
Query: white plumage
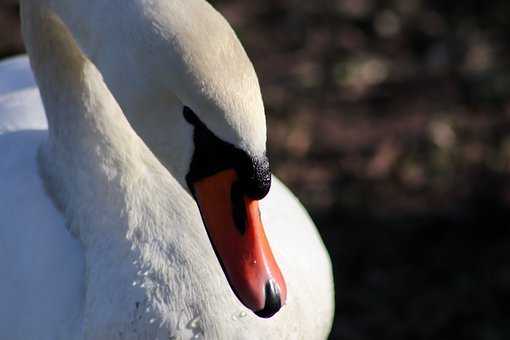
99	238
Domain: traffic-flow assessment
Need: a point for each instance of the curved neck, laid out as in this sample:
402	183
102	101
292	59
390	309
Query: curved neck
66	49
90	140
82	114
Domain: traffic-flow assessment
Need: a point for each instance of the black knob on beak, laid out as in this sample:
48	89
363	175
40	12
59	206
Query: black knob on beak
255	175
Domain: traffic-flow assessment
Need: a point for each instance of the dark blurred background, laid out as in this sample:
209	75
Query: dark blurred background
390	120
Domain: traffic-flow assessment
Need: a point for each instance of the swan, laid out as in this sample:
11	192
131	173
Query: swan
136	200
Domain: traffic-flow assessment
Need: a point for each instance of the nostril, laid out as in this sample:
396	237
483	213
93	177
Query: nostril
273	300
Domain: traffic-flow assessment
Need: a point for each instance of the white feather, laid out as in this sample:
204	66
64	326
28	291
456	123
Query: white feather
125	255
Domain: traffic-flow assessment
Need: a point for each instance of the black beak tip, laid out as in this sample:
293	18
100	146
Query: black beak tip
273	300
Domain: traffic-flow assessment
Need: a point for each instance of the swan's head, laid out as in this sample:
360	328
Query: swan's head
227	182
195	57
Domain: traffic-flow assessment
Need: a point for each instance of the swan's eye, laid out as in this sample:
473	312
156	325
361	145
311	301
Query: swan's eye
212	155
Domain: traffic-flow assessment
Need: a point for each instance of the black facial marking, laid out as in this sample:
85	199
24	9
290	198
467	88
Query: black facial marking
212	155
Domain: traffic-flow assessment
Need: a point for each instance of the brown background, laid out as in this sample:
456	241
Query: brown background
389	120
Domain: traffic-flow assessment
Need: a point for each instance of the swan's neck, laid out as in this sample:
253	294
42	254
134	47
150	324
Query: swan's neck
144	103
92	157
89	139
83	118
139	228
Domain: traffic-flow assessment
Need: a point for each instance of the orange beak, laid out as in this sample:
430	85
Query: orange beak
233	223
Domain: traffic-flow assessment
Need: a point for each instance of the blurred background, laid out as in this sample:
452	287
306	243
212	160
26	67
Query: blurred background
390	120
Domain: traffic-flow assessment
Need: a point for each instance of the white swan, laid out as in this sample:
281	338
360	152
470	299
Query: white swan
138	263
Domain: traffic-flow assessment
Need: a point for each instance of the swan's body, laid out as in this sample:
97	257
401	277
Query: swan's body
98	239
41	264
